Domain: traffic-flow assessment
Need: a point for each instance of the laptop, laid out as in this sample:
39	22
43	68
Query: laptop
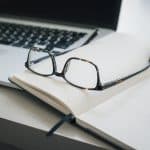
58	26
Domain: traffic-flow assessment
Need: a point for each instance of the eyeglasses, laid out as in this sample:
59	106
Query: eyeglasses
78	72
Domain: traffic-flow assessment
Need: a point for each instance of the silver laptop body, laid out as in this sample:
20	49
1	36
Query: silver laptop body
13	57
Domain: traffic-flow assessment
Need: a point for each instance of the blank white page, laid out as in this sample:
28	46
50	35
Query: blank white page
126	117
116	55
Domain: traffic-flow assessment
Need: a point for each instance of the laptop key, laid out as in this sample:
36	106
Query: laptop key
28	36
5	41
50	47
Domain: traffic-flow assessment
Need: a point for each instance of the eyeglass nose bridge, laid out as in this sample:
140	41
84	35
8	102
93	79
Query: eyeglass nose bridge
59	74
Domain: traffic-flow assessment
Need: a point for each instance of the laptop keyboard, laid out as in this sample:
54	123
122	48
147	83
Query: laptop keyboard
28	36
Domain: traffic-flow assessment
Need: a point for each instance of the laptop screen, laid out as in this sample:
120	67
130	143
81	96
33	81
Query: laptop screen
103	13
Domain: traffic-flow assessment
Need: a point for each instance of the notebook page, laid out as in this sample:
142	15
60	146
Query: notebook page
76	100
116	55
125	117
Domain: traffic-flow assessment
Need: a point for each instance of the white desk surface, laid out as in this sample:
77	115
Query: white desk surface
20	107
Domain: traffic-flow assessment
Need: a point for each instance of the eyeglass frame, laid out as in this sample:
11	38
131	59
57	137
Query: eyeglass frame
98	86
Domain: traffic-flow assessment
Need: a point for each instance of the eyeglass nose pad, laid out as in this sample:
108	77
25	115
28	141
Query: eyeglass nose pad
66	67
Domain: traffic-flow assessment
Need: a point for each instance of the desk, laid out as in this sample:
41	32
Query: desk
25	109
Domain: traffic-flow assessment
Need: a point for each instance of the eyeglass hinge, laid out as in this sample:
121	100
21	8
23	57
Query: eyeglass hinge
26	64
99	87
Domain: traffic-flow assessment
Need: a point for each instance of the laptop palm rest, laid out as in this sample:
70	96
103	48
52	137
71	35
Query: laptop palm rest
12	60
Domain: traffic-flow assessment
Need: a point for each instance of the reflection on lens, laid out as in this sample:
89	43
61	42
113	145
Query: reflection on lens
81	73
40	62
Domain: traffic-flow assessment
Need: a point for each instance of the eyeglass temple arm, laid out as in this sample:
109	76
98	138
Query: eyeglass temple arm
40	59
112	83
37	60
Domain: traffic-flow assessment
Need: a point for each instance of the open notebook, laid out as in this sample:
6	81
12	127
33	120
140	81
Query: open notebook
116	56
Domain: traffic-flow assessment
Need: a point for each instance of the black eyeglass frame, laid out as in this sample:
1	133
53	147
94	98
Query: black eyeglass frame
98	86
